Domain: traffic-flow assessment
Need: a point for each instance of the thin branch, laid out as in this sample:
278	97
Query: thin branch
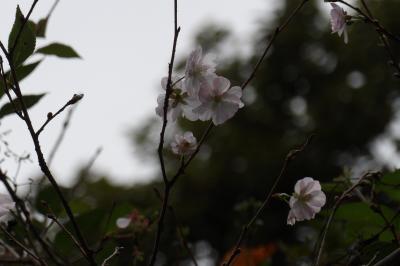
162	135
42	162
61	135
115	253
51	116
382	32
53	7
22	207
54	218
271	41
245	229
344	195
389	258
12	238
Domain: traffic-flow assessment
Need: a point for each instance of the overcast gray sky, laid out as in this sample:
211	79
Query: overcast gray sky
125	47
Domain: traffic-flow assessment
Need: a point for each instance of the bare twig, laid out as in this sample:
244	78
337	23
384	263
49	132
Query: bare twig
51	116
245	229
21	205
344	195
168	92
30	253
61	135
41	160
115	253
382	32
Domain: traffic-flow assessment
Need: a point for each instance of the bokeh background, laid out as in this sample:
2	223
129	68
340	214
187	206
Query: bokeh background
310	83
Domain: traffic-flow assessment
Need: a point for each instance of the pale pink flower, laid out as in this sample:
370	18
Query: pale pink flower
338	21
6	204
197	69
219	102
184	144
180	103
307	200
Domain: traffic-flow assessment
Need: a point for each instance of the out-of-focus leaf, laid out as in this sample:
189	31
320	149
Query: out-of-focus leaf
41	27
29	100
21	71
60	50
26	41
91	224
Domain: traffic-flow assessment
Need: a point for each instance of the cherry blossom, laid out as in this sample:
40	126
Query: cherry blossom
180	103
338	21
306	201
184	144
197	69
219	102
6	204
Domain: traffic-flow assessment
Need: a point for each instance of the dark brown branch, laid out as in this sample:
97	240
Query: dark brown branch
271	41
21	205
162	134
42	162
382	32
12	238
245	229
51	116
343	196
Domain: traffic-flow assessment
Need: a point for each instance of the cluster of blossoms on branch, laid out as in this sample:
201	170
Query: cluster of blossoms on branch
200	95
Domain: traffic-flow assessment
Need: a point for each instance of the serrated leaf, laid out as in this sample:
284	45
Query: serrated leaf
59	49
29	100
26	42
21	71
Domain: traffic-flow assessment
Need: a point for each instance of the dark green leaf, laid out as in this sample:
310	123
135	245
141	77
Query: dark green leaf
29	100
21	71
26	42
58	49
41	27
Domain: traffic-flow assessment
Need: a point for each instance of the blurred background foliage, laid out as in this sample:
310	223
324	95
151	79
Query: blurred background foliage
310	83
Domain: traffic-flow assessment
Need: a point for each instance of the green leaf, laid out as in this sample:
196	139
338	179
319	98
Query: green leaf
29	100
21	71
59	49
26	41
41	27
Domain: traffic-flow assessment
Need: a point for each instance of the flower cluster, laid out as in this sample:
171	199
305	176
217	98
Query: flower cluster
306	201
201	94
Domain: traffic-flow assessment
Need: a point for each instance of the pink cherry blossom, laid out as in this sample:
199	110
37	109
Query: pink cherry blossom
219	102
180	103
338	21
184	144
307	200
197	69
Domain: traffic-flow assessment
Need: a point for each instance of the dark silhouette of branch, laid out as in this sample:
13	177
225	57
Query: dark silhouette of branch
41	160
30	253
168	92
51	116
21	205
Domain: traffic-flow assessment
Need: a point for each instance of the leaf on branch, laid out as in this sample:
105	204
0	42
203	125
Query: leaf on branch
26	40
29	100
22	72
41	27
59	49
